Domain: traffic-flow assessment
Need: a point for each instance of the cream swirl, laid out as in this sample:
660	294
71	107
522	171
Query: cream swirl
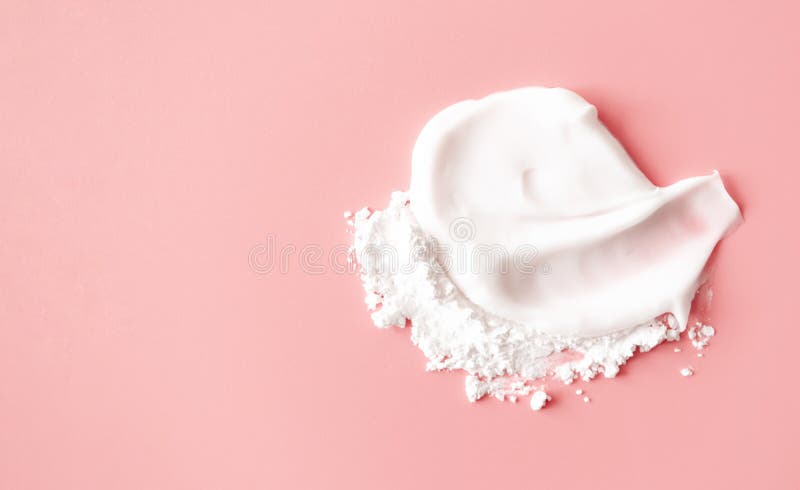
534	168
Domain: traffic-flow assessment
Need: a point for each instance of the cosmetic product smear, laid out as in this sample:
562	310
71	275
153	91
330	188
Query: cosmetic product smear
529	245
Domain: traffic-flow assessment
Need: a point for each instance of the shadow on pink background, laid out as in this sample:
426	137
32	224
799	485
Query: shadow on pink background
146	149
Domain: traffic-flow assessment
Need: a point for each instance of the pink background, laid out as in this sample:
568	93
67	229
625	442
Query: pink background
146	148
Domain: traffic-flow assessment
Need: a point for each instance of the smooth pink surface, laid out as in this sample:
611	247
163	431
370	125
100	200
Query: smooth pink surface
146	148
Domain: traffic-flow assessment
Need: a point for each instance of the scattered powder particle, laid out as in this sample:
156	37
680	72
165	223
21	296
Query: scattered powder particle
687	371
579	391
700	335
348	214
586	399
677	349
539	399
699	354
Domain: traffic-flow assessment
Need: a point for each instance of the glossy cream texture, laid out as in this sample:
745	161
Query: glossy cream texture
551	224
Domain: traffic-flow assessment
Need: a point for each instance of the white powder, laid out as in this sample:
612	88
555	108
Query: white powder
539	399
700	335
687	371
404	282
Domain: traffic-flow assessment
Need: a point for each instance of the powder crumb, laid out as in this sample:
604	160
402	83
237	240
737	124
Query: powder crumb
586	399
579	391
699	354
687	371
700	335
677	349
539	399
348	214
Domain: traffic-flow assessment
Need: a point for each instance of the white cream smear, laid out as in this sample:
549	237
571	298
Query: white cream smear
528	231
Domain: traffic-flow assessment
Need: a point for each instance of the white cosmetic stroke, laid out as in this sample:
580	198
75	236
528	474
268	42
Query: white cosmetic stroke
534	169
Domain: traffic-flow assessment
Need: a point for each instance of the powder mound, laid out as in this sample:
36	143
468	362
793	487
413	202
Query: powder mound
405	284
